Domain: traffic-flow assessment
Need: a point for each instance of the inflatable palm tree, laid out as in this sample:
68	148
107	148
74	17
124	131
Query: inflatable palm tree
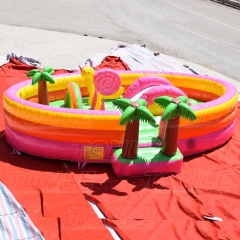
42	77
133	112
174	109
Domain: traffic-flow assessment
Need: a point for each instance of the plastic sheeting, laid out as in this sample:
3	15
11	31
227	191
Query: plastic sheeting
140	58
14	222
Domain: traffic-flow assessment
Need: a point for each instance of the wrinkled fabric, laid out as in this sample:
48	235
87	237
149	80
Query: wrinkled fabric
152	207
45	188
14	221
173	206
140	58
111	62
23	59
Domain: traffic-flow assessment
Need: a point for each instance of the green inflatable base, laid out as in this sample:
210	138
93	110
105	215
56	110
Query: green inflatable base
150	161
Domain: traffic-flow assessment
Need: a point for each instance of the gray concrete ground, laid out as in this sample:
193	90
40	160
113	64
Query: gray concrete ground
56	49
65	50
200	31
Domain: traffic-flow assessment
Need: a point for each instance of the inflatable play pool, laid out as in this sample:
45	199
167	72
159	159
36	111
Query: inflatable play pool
80	123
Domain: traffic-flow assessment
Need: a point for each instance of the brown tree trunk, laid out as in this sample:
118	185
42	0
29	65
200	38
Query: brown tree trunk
130	144
42	92
161	130
170	140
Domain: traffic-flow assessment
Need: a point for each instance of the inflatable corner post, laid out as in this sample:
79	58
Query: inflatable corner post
127	163
53	116
133	112
41	77
174	109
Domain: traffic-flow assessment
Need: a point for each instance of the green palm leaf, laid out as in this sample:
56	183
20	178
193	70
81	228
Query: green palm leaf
128	115
48	77
186	111
183	99
170	112
163	102
32	72
142	102
49	70
143	114
154	124
36	77
122	103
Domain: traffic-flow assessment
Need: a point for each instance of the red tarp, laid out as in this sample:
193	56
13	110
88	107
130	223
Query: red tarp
112	62
44	188
157	207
